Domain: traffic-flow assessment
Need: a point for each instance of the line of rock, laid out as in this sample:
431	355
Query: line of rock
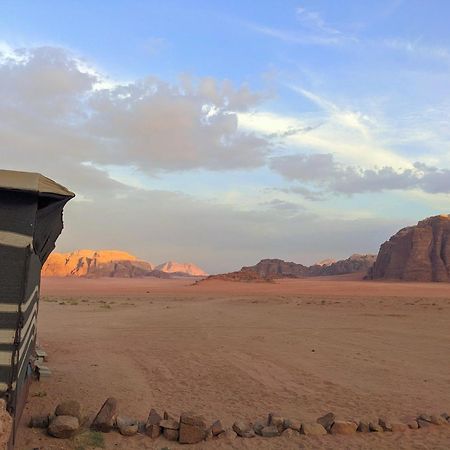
191	428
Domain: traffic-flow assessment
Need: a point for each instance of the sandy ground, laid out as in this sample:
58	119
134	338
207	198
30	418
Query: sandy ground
240	350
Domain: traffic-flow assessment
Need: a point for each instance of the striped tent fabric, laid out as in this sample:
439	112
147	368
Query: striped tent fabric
30	222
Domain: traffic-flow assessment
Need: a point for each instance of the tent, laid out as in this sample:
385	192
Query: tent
31	208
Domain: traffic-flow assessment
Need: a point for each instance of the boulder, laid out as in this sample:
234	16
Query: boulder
276	420
39	421
413	425
416	253
363	427
69	408
6	423
192	428
228	434
343	427
170	435
259	425
167	416
127	426
423	423
217	428
63	427
153	417
243	429
385	424
104	421
153	431
398	427
327	420
289	432
438	420
312	429
375	427
292	424
270	431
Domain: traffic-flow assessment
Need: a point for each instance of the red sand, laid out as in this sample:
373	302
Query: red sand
239	350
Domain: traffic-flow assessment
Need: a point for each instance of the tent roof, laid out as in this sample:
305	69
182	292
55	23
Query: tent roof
31	182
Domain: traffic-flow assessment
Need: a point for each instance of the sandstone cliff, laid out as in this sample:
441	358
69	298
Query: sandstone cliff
416	253
112	263
268	269
181	268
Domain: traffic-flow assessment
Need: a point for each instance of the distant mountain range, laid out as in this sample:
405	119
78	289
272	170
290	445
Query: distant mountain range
268	269
113	263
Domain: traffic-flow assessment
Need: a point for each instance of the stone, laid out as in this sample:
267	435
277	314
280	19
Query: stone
228	434
258	426
398	427
153	431
192	419
209	434
217	428
276	420
312	429
423	423
243	429
363	427
169	424
416	253
192	428
39	421
168	416
69	408
104	421
343	427
425	417
191	434
270	431
292	424
327	420
170	435
445	416
438	420
413	425
127	426
289	432
375	427
6	423
153	417
63	427
385	424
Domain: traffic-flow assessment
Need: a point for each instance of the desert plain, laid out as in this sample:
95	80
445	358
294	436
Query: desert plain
235	350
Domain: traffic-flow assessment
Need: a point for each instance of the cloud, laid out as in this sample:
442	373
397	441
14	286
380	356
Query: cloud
322	170
53	110
418	48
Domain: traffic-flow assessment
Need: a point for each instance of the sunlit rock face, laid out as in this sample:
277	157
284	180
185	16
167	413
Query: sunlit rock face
93	263
184	268
416	253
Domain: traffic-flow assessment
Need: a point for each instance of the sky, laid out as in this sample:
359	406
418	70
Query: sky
221	133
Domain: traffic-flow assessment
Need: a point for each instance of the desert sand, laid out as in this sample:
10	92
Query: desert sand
227	350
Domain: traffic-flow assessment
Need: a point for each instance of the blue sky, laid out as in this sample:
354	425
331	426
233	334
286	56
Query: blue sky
269	119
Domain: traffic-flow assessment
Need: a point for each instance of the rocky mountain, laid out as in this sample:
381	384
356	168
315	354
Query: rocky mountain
108	263
174	267
416	253
268	269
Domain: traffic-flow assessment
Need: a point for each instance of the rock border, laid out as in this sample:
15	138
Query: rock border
191	428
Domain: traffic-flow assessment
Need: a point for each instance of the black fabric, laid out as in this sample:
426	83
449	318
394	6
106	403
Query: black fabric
13	266
48	225
18	211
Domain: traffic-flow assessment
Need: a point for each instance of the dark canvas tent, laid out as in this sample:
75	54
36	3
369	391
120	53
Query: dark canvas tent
31	208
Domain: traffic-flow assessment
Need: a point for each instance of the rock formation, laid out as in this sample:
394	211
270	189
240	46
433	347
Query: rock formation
112	263
174	267
268	269
416	253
